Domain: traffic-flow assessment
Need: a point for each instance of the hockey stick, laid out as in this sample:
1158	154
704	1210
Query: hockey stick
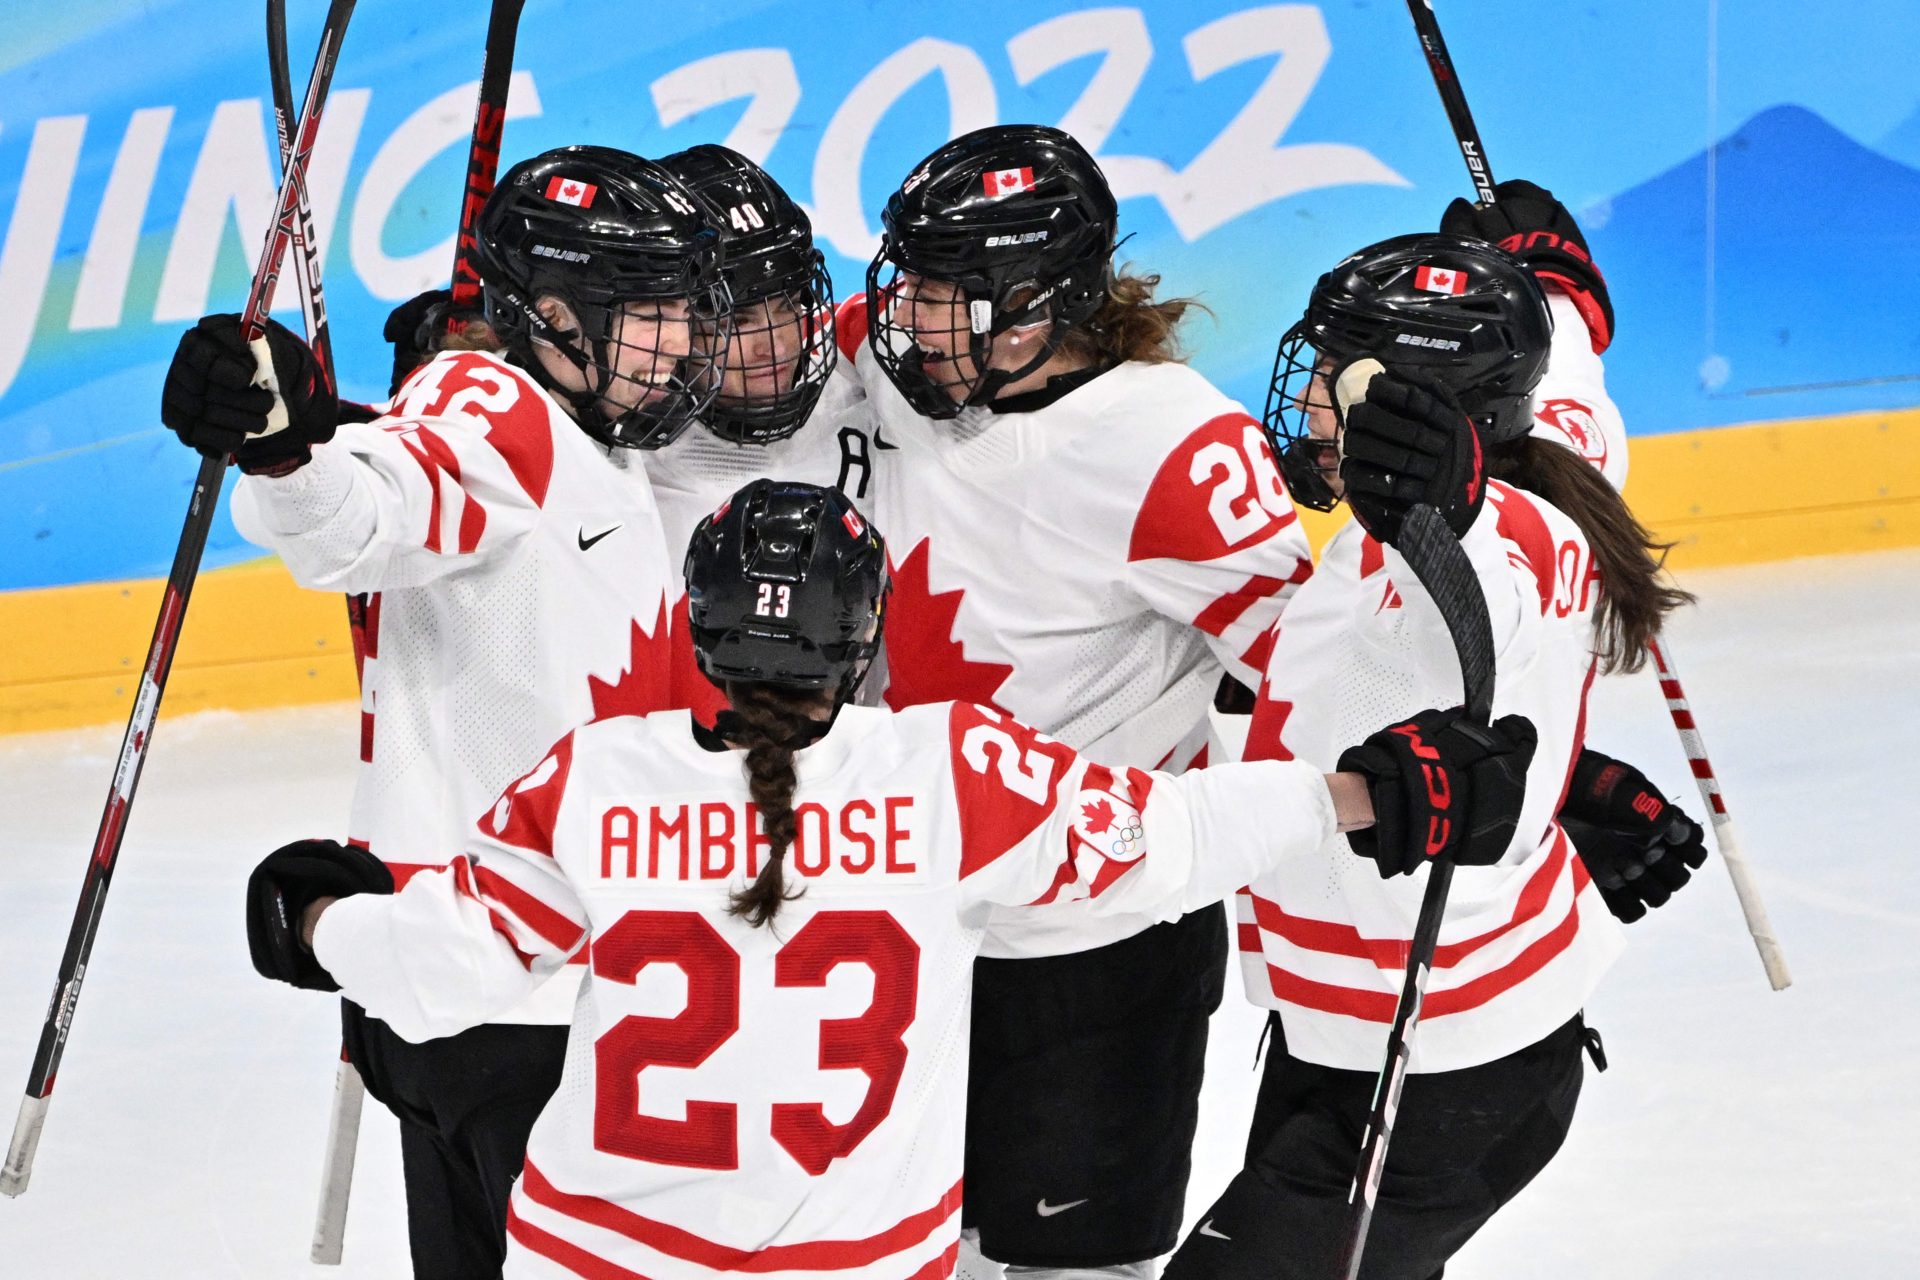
166	635
1738	870
306	270
483	153
1434	555
483	162
1454	98
343	1125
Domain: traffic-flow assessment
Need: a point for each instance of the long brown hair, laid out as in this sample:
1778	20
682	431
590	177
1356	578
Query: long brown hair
1634	601
772	720
1132	325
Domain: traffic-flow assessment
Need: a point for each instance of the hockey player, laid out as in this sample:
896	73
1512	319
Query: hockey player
768	1067
1087	535
784	393
520	586
1408	381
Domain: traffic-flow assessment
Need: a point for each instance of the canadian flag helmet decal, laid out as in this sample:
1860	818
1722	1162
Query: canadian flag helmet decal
1440	279
571	191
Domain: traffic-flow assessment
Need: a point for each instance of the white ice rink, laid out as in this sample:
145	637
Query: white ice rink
1739	1133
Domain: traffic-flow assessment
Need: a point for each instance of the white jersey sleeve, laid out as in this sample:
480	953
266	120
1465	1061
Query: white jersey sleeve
1217	544
461	944
455	474
1045	830
1570	405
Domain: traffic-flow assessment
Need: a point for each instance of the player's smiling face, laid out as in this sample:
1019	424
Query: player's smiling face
768	338
650	339
936	313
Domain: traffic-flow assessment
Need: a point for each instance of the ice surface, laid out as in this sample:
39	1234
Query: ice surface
1740	1133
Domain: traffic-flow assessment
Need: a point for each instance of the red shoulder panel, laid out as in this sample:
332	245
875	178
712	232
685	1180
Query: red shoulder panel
524	815
1216	492
1004	780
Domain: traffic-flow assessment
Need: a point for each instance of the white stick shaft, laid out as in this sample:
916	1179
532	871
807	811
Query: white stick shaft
1738	869
26	1140
336	1177
1744	888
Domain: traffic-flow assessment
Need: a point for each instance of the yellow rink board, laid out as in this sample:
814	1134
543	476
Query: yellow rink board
1730	495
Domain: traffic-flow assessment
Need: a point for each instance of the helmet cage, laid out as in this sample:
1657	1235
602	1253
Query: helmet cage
637	238
778	351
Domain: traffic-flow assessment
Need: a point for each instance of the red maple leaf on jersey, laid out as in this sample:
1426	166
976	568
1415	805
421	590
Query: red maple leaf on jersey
644	684
1098	817
924	661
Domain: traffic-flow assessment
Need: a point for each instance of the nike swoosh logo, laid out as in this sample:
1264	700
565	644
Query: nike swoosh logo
1206	1229
586	543
879	442
1046	1210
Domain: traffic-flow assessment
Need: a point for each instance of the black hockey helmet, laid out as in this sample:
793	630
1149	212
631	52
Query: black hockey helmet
1459	310
787	585
1020	220
783	349
600	229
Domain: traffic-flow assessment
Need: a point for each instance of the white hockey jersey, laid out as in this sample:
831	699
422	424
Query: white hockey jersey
1324	940
519	587
1091	567
1570	405
696	473
790	1099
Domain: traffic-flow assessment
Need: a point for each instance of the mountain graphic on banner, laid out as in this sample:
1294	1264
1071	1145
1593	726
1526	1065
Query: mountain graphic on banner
1811	231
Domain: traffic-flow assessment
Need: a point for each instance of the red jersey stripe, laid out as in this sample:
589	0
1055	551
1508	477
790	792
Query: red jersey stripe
1225	611
1391	953
556	929
815	1255
571	1256
1378	1006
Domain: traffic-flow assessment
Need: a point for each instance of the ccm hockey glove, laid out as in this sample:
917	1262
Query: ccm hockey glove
1639	848
1530	224
287	882
210	400
1404	439
1441	785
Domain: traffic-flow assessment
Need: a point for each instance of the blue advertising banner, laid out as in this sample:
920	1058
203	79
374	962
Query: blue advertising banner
1748	177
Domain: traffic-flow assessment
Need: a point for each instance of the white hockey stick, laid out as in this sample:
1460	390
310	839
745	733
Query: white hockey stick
336	1179
1741	873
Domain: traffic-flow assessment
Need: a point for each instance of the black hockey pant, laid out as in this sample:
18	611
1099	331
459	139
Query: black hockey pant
1464	1144
465	1104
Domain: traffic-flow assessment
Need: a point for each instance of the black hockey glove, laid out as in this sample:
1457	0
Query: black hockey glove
1639	848
1529	223
210	400
1404	439
284	885
417	328
1441	785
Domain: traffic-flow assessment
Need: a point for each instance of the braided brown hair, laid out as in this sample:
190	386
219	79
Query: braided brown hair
1634	601
771	720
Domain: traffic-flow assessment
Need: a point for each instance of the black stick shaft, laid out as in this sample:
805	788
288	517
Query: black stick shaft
166	636
483	153
1452	97
1436	559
